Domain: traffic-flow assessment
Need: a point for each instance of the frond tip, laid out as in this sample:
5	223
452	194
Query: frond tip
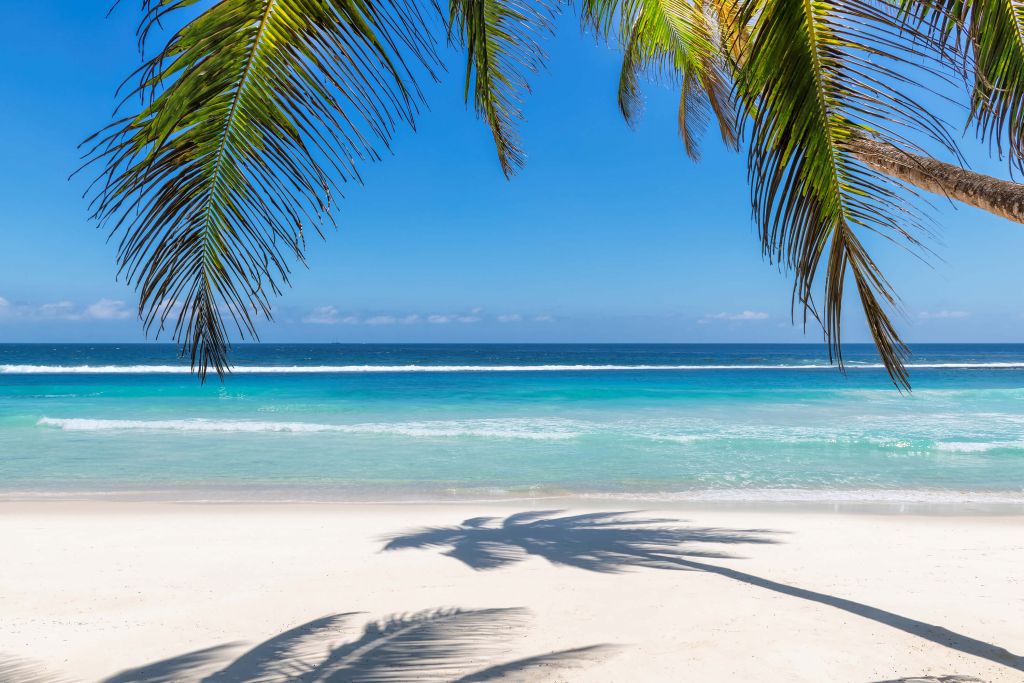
502	41
675	41
251	116
817	77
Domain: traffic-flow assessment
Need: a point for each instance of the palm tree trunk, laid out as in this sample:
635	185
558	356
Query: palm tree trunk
1001	197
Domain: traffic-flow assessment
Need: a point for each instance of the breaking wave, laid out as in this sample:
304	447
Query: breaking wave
338	369
539	430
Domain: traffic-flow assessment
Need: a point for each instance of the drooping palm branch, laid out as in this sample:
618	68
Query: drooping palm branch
816	78
256	110
502	43
992	34
251	115
809	78
671	41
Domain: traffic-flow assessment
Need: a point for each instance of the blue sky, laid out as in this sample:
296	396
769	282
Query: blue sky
609	234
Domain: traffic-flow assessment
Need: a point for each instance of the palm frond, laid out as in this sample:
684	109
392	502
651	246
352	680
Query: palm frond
714	75
989	37
669	40
502	41
693	115
630	96
251	115
817	76
733	32
997	102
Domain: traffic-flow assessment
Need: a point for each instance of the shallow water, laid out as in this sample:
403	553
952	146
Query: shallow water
736	422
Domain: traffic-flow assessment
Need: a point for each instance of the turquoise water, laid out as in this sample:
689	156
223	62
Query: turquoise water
380	422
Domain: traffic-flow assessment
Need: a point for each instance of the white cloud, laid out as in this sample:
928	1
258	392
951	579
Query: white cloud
104	309
509	318
543	318
107	309
322	315
62	310
378	320
330	315
742	315
438	319
942	315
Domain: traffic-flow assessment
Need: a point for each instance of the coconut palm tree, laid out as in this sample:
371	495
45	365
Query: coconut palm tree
254	113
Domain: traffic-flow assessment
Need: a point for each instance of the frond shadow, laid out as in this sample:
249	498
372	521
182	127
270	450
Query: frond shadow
23	671
189	666
433	645
607	542
612	542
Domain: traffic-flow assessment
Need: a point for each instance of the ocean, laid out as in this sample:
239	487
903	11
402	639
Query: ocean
373	422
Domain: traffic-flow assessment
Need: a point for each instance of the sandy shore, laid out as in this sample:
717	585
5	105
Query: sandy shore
162	592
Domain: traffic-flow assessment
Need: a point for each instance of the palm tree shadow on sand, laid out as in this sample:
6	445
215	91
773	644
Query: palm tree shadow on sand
434	645
19	670
612	542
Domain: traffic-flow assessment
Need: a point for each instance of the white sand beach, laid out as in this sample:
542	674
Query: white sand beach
161	592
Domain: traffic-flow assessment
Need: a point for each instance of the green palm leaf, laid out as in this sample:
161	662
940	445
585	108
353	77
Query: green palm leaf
502	41
997	104
816	78
993	33
675	41
252	114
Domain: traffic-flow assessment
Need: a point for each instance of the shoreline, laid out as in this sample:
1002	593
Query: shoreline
911	502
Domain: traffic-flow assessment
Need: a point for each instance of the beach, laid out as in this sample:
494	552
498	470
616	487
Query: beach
399	351
546	590
510	512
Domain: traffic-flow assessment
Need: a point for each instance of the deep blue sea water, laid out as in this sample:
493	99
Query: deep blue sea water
385	422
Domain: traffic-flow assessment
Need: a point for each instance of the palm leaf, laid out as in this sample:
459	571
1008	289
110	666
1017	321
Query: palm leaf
733	33
713	78
630	96
693	115
675	41
251	116
502	41
817	76
992	33
997	102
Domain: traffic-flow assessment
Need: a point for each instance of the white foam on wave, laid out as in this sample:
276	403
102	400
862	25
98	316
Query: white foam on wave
823	495
679	438
976	446
539	430
339	369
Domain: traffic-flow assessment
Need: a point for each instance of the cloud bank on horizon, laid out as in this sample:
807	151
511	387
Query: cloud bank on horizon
104	309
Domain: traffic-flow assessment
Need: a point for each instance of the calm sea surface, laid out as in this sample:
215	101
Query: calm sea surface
392	422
